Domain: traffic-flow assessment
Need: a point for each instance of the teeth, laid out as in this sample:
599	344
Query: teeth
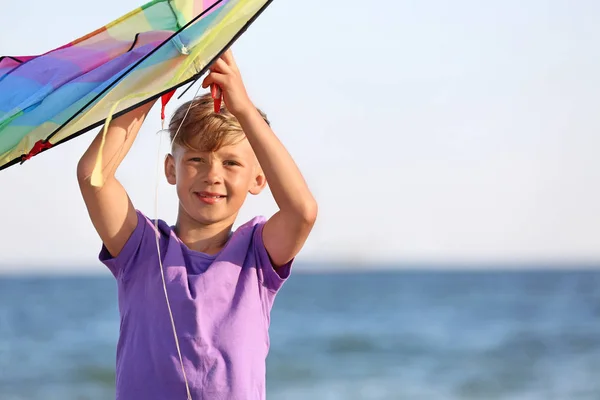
210	197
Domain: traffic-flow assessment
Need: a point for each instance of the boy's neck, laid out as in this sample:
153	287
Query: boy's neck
208	239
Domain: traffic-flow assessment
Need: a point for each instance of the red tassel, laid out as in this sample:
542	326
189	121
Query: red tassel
164	100
37	148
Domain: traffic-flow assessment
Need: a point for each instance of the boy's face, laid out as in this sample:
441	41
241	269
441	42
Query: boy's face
212	186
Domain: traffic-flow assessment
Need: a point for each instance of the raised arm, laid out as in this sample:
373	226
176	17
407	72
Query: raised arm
109	207
286	232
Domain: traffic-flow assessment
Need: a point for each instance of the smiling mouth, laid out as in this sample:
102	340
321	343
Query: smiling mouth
209	197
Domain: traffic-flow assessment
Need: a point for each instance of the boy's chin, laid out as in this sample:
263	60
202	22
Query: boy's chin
211	217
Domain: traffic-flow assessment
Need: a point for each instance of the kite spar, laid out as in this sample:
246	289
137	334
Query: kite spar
48	99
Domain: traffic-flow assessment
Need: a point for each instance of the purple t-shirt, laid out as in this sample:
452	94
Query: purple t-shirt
221	306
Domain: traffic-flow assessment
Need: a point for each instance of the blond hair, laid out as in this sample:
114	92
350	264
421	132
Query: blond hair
203	129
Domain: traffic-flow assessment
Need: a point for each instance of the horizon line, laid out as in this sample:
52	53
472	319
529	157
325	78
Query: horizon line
338	266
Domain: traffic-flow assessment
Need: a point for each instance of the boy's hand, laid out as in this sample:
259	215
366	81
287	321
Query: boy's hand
225	73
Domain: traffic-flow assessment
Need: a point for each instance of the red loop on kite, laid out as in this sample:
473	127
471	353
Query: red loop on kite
38	147
164	100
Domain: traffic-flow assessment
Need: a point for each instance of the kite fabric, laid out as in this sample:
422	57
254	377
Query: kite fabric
48	99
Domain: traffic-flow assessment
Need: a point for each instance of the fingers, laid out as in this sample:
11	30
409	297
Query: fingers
220	69
220	66
228	58
214	77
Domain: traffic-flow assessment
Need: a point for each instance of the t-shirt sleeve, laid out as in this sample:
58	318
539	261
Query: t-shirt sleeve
132	250
273	278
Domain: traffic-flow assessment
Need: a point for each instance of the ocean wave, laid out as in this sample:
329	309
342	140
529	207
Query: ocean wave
96	375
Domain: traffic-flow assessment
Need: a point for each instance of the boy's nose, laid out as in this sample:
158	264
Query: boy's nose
213	174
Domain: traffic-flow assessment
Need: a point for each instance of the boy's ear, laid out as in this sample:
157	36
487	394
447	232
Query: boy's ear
170	169
259	183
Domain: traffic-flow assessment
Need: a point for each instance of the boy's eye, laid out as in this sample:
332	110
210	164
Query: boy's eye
231	163
197	159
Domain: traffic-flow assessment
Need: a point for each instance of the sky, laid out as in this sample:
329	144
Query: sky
430	132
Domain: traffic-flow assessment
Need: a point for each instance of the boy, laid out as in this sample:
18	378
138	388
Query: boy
210	339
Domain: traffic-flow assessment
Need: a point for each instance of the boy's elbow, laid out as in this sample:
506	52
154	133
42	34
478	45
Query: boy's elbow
310	212
84	169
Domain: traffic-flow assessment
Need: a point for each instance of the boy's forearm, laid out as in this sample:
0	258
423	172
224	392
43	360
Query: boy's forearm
120	135
286	182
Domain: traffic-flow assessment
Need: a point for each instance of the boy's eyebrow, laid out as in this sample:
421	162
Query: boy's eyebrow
189	149
230	155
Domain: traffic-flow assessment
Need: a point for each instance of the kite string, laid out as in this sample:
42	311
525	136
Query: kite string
162	272
97	180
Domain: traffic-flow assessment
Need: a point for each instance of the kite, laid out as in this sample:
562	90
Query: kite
48	99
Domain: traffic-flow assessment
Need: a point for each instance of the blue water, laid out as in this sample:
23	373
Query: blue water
404	335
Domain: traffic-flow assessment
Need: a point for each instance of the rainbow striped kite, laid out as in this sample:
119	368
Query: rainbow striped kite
48	99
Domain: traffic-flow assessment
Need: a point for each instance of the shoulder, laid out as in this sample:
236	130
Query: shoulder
248	239
149	227
141	241
251	225
155	224
244	236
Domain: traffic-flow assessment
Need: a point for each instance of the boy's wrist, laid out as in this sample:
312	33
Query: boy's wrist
248	115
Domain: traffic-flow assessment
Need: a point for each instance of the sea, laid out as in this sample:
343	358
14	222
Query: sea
518	335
